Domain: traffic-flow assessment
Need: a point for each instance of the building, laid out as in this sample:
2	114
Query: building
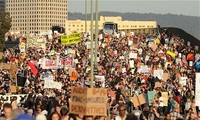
135	26
36	16
2	5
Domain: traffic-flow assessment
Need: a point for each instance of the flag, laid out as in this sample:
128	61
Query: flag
34	70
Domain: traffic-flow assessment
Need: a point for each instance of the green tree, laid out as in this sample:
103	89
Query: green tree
5	25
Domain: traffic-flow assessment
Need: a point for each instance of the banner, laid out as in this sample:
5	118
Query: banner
197	90
88	101
151	95
71	39
10	98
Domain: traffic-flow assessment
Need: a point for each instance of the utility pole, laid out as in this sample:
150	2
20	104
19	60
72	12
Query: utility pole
96	33
85	16
92	53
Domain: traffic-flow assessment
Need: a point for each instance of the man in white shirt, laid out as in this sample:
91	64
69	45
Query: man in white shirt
122	113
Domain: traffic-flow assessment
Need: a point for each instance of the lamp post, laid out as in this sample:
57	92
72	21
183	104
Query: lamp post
96	32
85	16
91	52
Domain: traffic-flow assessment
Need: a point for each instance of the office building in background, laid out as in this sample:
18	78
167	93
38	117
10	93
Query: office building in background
36	16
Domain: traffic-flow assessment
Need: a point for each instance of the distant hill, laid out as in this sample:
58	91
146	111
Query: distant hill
189	24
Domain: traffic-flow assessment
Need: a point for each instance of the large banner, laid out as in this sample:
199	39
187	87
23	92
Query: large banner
197	90
10	98
71	39
88	101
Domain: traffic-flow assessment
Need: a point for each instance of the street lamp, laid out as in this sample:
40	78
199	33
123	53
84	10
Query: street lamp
85	16
91	52
96	33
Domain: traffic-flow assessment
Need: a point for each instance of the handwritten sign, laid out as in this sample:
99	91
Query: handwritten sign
151	95
158	74
88	101
182	81
138	101
5	66
52	84
165	98
165	76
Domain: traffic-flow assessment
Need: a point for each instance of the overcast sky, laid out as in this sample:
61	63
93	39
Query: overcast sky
184	7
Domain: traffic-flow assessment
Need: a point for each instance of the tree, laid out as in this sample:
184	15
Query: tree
5	25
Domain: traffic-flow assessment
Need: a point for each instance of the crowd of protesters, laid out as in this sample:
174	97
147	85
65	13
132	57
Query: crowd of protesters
113	63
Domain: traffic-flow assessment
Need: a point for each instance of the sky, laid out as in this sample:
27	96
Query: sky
184	7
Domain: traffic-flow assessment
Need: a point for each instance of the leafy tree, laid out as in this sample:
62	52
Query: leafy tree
5	25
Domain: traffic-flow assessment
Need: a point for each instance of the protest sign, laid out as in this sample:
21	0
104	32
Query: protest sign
165	77
165	98
66	62
143	69
130	42
101	79
5	66
52	84
73	75
37	42
197	90
182	81
151	95
171	54
132	55
138	100
22	47
131	63
158	74
158	85
88	101
71	39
